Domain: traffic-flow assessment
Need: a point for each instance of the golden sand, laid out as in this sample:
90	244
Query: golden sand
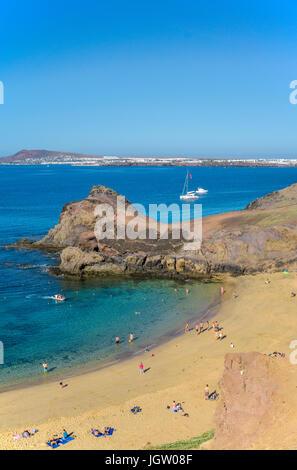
260	317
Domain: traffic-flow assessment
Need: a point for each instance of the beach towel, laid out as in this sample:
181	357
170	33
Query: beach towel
110	433
213	396
66	439
175	410
135	410
52	446
61	441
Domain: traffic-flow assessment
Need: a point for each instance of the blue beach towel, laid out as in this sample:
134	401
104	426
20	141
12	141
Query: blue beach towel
54	446
67	439
61	441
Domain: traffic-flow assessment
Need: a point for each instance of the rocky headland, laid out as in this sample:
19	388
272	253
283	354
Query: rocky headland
261	237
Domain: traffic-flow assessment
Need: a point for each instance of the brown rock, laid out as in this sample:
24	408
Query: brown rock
248	389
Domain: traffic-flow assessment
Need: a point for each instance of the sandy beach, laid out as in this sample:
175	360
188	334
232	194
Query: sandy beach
259	317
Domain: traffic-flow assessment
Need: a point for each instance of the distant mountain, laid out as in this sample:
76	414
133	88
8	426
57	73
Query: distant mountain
44	156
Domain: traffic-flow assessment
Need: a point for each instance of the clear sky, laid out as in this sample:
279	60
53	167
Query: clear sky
149	77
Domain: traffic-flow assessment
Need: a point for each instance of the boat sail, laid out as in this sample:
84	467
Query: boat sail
186	194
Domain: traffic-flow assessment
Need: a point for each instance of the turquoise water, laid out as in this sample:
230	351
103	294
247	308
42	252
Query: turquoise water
80	332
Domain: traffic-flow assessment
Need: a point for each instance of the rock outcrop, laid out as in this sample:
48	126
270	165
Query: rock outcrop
249	402
262	237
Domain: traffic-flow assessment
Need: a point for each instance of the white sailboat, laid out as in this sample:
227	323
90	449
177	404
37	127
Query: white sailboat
186	194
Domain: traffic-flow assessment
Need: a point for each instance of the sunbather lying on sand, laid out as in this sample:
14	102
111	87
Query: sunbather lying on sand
54	442
276	354
177	407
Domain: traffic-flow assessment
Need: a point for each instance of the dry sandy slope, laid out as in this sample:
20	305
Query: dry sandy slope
262	318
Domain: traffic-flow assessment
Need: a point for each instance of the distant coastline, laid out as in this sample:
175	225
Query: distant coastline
50	157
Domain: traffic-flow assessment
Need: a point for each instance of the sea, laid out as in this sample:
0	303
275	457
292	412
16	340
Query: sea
79	334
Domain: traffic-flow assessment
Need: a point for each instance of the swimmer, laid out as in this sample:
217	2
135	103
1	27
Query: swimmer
131	338
117	340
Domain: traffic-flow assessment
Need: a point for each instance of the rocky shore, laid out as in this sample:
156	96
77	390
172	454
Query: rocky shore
262	237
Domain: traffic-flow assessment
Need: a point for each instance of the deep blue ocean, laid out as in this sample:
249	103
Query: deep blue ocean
80	333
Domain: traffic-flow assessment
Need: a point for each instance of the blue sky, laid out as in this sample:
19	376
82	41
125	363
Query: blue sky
149	77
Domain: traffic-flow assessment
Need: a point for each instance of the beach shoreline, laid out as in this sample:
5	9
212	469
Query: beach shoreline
75	371
179	369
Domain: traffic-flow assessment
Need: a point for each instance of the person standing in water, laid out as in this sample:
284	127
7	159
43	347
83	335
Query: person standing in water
131	338
117	340
187	328
44	365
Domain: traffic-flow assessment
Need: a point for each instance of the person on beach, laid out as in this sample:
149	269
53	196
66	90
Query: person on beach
117	340
207	325
201	327
141	368
197	328
222	290
131	337
65	434
187	328
206	393
44	365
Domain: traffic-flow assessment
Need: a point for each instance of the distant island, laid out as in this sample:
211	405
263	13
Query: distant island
50	157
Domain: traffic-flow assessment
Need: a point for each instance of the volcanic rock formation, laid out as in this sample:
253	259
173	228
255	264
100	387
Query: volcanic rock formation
262	237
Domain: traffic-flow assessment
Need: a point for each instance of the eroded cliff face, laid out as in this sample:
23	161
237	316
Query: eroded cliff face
251	400
263	237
